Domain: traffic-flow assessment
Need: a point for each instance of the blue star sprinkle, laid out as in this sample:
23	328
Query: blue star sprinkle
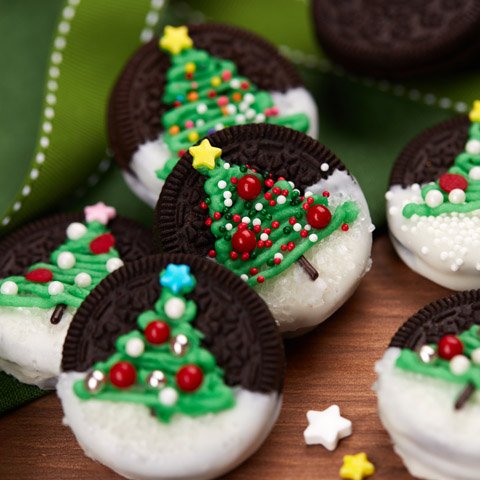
176	277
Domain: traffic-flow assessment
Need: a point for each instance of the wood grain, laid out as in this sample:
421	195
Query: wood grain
332	364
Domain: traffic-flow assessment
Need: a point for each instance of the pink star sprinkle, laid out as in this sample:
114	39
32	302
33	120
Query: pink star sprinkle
100	212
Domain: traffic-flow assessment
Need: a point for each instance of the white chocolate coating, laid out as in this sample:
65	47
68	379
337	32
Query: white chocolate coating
434	440
152	155
135	444
30	346
444	249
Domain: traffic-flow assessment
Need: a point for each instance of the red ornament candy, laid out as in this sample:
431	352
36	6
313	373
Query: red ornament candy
253	271
189	378
326	194
245	256
40	275
319	216
123	375
269	183
345	227
208	222
244	241
449	346
212	253
260	279
276	190
237	218
257	228
102	244
234	255
275	224
451	181
249	187
157	332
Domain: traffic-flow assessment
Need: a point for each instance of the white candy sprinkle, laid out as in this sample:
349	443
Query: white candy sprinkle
474	173
392	211
473	147
477	267
260	118
297	227
281	199
231	109
228	202
459	261
168	396
389	195
459	364
250	114
307	227
44	142
308	193
475	356
40	158
66	260
443	256
175	307
17	206
324	167
240	118
134	347
26	190
113	264
235	83
454	267
9	288
433	199
76	230
278	255
227	194
47	127
200	122
248	98
257	221
83	280
244	277
219	126
258	207
246	220
226	165
425	250
228	226
222	184
456	196
313	237
264	237
34	174
55	288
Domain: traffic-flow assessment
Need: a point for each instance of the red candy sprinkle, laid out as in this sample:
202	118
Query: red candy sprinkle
181	153
292	221
345	227
310	200
281	178
208	222
212	93
253	271
122	375
244	85
260	279
305	206
212	253
451	181
204	205
326	194
189	378
242	225
283	248
249	187
176	103
234	180
268	243
275	224
319	216
236	218
260	244
290	246
269	183
268	196
272	203
244	241
245	256
257	228
40	275
276	190
217	215
102	244
234	255
449	346
267	231
303	233
277	261
157	332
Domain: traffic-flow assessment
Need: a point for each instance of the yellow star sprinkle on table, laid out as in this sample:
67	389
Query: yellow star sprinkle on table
204	155
175	39
356	467
475	113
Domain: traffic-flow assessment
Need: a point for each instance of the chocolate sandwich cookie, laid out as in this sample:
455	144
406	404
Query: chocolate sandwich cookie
277	208
433	203
47	269
173	368
427	389
400	39
193	81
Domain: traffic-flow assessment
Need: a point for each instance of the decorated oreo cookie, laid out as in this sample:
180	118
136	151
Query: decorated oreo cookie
277	208
47	270
433	203
404	39
427	389
173	368
194	81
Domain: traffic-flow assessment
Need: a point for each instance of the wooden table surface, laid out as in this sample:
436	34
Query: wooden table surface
331	365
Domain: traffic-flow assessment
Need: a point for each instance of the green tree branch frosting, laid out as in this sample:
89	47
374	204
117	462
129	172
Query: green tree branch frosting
163	365
207	94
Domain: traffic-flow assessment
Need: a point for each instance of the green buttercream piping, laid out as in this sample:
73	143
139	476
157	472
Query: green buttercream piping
464	162
213	395
34	294
410	361
282	213
204	112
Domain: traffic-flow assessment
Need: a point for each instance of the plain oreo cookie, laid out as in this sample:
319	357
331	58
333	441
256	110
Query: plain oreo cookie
399	39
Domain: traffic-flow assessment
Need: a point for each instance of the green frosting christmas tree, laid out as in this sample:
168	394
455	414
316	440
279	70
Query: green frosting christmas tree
458	190
207	94
162	365
77	266
262	225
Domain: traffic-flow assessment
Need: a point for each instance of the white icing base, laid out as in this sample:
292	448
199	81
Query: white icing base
444	249
434	440
152	155
30	346
135	444
299	304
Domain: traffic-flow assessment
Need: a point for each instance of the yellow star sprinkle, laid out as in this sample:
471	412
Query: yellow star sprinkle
204	155
356	467
475	113
175	39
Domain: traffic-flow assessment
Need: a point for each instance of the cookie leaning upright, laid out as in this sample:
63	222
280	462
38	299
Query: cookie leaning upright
48	268
277	208
192	82
427	388
404	40
433	204
173	368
